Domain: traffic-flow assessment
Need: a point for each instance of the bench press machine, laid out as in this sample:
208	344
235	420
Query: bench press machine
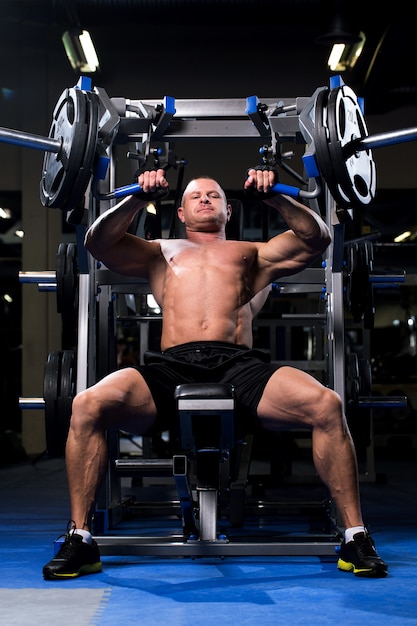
337	167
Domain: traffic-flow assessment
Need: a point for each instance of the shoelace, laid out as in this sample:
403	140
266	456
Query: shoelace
366	546
70	527
68	547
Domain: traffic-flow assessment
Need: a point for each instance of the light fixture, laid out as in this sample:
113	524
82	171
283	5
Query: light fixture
5	214
342	37
343	56
80	50
340	26
403	236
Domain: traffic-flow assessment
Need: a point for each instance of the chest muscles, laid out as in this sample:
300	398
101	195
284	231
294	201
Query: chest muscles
214	270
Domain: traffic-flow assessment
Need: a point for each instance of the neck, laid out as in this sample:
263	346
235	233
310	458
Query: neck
205	237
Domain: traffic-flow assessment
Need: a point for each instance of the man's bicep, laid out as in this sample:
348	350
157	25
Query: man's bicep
283	255
132	256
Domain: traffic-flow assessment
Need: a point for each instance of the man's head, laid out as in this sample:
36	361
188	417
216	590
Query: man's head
204	207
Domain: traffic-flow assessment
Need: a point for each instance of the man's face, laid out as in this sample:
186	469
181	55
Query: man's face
204	206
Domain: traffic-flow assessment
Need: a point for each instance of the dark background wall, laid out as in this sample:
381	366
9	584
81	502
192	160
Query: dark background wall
186	49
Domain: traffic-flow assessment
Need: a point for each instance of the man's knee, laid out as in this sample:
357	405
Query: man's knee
86	407
329	408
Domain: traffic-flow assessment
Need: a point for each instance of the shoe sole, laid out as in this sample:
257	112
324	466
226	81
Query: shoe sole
345	566
92	568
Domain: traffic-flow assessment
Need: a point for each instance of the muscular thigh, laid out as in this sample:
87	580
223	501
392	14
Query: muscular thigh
125	401
290	399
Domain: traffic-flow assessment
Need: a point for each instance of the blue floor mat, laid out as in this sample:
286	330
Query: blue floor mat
239	591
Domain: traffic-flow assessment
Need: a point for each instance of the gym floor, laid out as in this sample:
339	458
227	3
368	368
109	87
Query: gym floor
247	590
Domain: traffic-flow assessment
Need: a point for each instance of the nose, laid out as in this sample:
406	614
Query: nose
205	198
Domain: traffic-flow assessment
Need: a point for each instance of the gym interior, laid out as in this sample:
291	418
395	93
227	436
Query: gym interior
208	86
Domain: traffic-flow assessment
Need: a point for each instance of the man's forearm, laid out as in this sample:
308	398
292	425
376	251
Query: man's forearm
112	225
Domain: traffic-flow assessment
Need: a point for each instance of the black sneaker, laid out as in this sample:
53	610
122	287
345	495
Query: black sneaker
360	557
74	558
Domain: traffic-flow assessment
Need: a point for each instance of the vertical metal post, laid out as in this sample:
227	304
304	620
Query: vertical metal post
83	332
335	305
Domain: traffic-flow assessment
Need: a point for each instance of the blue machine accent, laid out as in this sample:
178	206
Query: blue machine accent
252	105
336	81
101	167
170	105
84	83
310	165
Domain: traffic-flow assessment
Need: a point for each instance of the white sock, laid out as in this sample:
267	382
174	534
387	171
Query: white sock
87	538
349	532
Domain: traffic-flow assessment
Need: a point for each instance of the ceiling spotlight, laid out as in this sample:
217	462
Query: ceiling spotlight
5	214
80	50
344	56
340	26
339	32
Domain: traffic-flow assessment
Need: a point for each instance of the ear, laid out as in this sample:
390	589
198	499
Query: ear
180	213
229	212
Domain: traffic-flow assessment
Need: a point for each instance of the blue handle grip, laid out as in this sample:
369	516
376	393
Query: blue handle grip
288	190
127	190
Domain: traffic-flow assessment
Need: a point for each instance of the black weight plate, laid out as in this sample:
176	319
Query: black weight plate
66	395
369	312
81	183
51	383
356	173
70	295
359	282
67	381
352	378
60	170
321	140
64	409
61	264
365	377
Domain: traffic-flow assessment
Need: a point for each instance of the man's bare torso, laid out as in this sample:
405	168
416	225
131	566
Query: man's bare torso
204	290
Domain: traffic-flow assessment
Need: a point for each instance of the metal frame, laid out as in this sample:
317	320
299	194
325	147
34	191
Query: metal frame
145	125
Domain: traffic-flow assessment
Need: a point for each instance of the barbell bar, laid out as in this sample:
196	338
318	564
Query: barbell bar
30	140
380	140
47	276
31	403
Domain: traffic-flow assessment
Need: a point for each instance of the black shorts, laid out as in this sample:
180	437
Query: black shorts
208	361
